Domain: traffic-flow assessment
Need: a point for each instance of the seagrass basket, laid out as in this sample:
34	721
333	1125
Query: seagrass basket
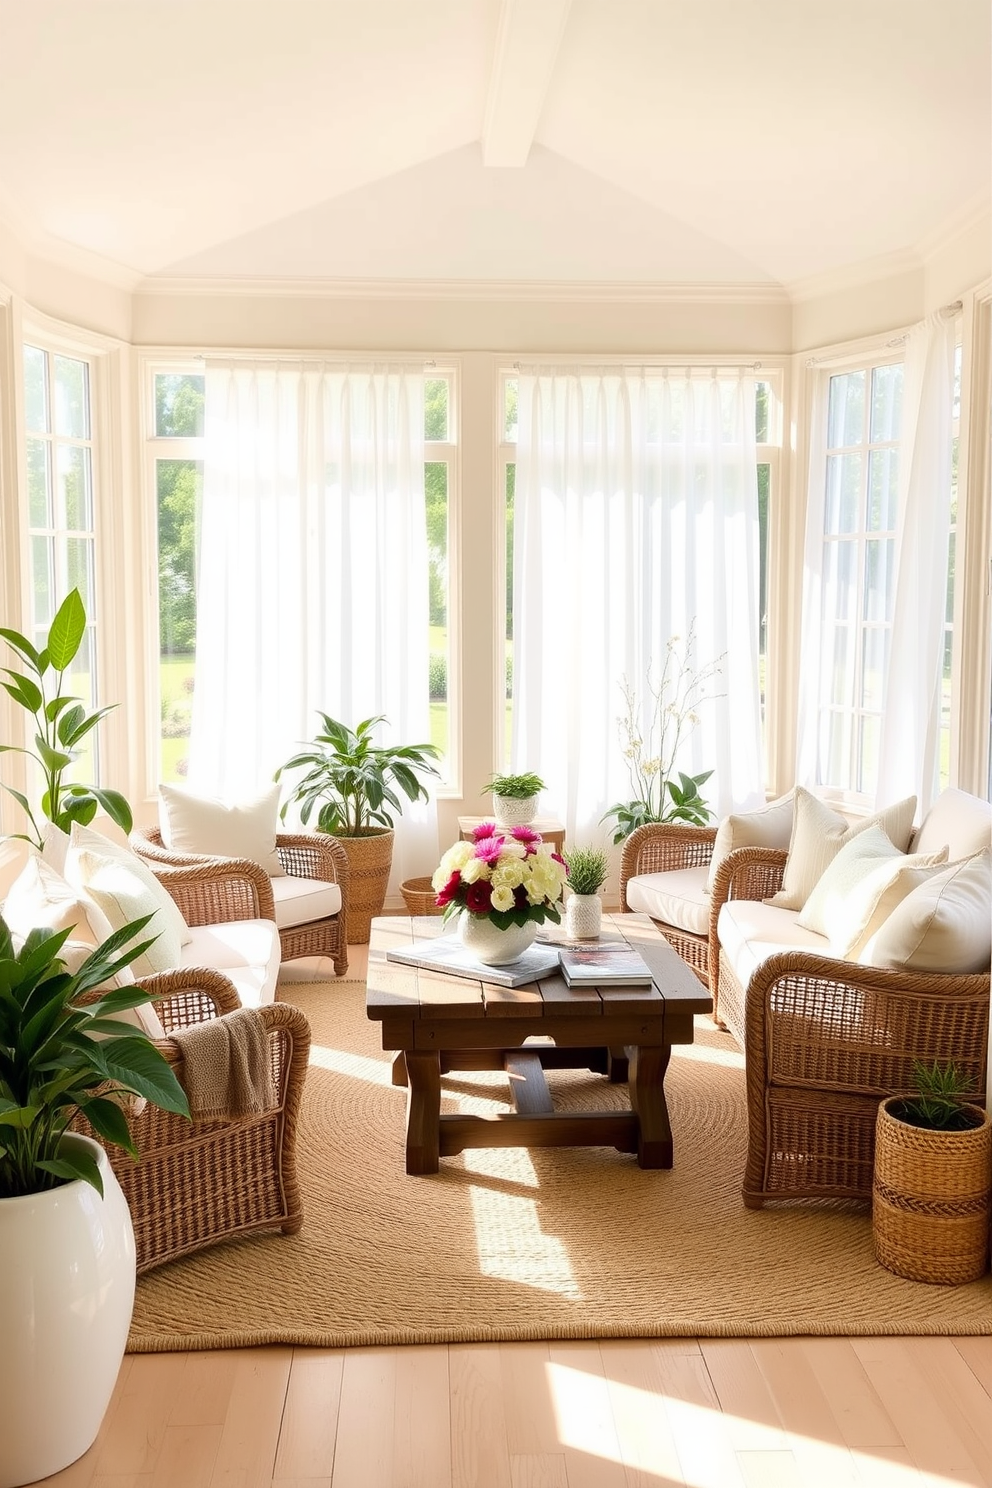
419	897
931	1198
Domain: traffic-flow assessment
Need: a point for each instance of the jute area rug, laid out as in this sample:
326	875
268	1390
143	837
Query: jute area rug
508	1244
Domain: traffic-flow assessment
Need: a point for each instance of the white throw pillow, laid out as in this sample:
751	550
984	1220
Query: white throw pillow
945	925
41	899
860	888
75	952
195	824
819	833
769	826
54	847
86	839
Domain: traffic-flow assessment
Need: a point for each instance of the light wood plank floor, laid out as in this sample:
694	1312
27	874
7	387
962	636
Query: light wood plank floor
727	1413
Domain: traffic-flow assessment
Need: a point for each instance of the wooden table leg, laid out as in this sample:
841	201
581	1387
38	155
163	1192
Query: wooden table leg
647	1100
423	1111
399	1068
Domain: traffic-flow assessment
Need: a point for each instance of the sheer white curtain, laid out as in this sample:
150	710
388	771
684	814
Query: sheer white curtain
635	518
908	749
312	582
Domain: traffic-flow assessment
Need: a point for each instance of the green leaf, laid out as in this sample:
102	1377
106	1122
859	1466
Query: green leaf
58	704
23	645
21	1118
136	1064
76	807
108	1120
69	723
25	692
115	806
66	631
74	1162
52	759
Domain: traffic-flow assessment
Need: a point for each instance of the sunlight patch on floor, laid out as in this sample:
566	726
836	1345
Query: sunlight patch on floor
357	1066
508	1235
732	1058
585	1404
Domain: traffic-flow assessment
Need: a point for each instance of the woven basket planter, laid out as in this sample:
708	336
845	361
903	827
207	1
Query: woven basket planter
419	897
931	1199
369	861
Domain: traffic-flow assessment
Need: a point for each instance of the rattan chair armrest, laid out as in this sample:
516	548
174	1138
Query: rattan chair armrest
819	1022
746	873
191	994
211	891
662	847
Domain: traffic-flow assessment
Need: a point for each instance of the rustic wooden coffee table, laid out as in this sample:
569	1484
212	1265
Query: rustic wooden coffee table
439	1023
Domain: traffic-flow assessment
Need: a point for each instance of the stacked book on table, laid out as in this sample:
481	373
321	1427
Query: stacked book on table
606	963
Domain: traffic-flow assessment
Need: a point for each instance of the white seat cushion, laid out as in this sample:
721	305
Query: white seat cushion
750	932
300	901
678	898
247	951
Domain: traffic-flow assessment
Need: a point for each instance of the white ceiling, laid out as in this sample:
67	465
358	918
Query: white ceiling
650	142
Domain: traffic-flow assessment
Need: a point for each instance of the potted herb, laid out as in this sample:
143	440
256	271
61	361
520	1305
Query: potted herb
354	785
514	798
61	724
932	1180
587	870
67	1279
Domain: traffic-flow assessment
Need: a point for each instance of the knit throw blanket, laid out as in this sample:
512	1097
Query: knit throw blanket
228	1072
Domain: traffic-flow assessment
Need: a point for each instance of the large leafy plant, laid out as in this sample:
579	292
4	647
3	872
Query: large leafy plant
353	783
63	1050
61	724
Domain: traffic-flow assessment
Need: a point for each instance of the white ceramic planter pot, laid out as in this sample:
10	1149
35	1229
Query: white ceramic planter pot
66	1295
514	811
491	945
583	916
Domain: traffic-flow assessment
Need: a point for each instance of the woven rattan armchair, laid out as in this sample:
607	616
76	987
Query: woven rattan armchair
824	1041
313	855
198	1183
661	847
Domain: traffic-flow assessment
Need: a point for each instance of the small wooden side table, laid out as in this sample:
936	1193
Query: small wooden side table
552	831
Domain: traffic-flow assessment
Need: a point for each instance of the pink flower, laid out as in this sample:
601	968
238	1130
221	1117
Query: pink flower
559	859
489	849
526	835
448	893
484	829
478	897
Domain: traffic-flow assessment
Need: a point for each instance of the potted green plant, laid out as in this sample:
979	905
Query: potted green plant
61	724
932	1180
354	785
587	870
514	797
68	1273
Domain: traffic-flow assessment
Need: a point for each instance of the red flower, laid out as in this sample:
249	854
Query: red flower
449	892
478	897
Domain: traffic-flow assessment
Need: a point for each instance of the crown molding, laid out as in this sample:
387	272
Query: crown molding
976	214
854	275
37	244
557	291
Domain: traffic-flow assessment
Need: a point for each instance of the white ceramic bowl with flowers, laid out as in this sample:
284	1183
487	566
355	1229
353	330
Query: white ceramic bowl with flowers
503	884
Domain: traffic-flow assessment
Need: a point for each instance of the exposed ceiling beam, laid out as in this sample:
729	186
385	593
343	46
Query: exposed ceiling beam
527	41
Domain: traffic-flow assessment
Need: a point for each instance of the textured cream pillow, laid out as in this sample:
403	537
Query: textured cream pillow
860	888
41	899
769	826
126	891
945	925
86	839
195	824
819	833
74	953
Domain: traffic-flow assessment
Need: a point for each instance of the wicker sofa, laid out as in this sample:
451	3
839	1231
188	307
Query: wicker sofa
824	1038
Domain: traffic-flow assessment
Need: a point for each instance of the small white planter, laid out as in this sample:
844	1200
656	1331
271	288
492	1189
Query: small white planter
491	945
583	916
514	811
66	1296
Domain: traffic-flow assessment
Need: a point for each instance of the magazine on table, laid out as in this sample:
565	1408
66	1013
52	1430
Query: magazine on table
447	954
604	963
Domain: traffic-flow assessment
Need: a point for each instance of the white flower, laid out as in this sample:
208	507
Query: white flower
502	898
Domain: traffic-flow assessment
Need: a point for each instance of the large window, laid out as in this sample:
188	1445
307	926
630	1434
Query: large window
859	521
59	444
177	448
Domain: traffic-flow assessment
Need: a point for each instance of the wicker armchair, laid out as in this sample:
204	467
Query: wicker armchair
661	847
308	855
202	1182
825	1040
